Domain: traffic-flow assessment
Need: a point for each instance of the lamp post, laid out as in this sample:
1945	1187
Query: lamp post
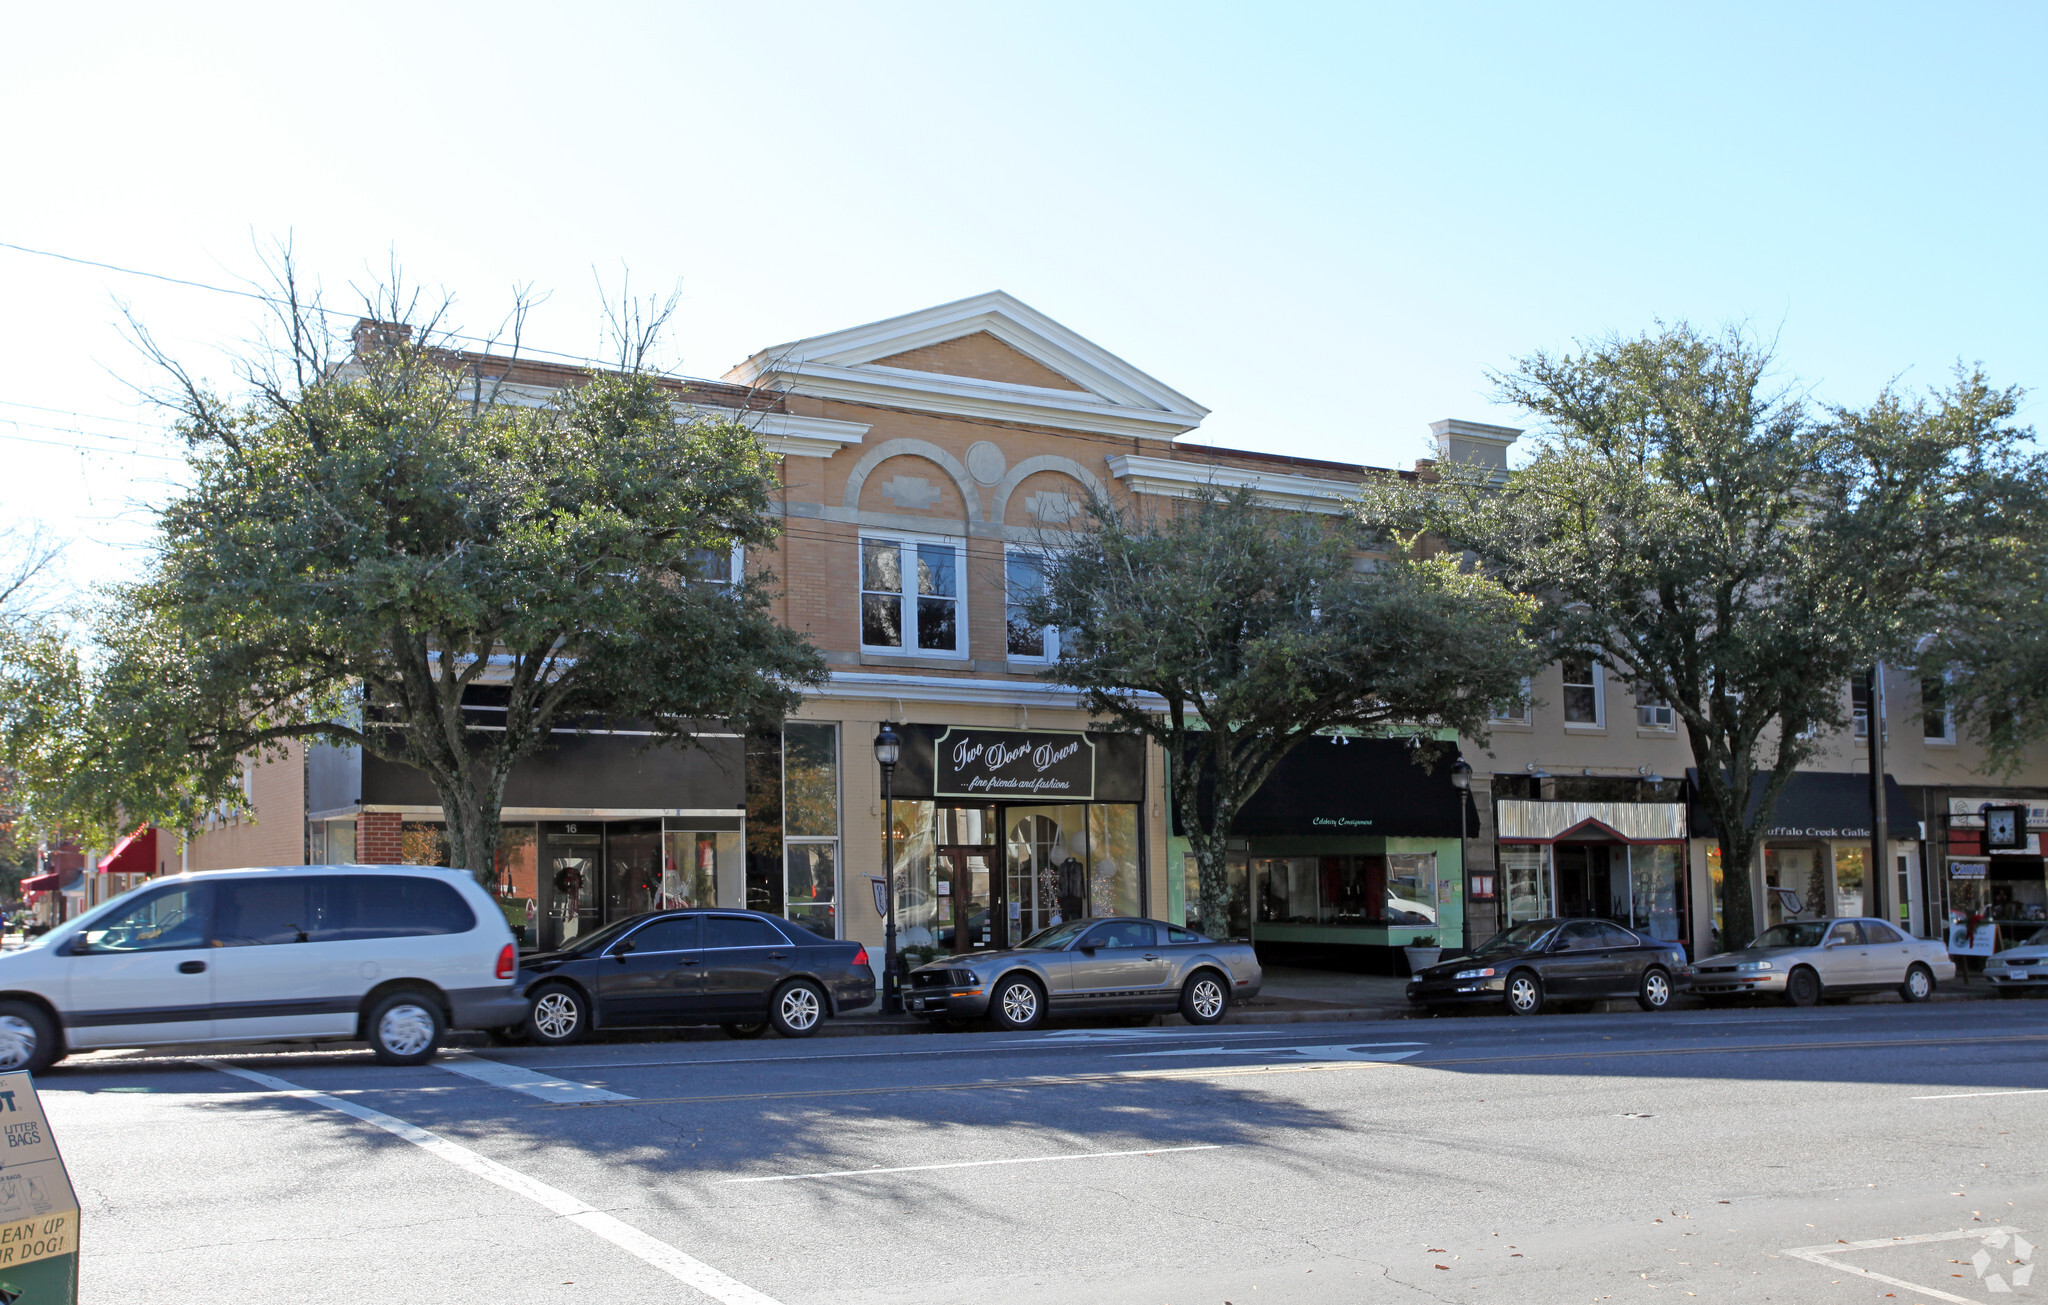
888	748
1461	780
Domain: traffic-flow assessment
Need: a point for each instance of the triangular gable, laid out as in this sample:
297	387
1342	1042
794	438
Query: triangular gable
989	356
981	356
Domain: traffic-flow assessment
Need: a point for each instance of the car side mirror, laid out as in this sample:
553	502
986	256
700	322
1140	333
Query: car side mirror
1835	942
620	952
1089	946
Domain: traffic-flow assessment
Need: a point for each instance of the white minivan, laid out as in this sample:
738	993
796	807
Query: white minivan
393	955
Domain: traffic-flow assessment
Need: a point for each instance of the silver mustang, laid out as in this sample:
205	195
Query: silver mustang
1088	967
1804	960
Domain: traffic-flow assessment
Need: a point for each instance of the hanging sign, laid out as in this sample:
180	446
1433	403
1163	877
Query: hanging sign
1032	765
881	897
38	1211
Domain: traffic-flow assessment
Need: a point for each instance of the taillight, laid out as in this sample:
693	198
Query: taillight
508	960
861	957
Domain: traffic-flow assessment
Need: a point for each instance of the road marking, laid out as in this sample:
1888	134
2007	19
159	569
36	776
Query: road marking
1057	1036
2009	1092
1819	1255
530	1081
683	1268
973	1164
1318	1051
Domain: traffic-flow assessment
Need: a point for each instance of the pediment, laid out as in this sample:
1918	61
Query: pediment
989	356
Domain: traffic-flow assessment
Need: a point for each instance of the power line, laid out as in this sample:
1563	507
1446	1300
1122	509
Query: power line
275	301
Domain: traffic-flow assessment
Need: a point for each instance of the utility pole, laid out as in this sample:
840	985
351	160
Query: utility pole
1879	874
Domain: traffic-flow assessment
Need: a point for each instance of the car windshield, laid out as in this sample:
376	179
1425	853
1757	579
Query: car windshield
1522	938
1799	933
1055	938
585	944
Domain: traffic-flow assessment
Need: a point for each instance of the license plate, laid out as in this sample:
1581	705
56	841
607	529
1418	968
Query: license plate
917	1003
2017	974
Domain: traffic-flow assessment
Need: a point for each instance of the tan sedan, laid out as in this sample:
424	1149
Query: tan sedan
1805	960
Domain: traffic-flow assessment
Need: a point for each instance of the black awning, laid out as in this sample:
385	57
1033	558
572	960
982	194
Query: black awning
1817	804
1347	787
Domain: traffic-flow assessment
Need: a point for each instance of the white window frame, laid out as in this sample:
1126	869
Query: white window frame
909	543
1599	673
1048	635
736	568
1647	707
1520	715
1859	721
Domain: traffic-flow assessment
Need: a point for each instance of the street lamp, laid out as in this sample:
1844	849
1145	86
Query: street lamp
1461	780
888	748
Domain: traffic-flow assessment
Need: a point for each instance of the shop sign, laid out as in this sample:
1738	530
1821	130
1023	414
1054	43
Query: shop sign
1967	869
1814	831
1962	941
1034	764
1968	812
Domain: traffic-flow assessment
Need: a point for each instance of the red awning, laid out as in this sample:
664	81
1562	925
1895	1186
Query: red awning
133	855
41	883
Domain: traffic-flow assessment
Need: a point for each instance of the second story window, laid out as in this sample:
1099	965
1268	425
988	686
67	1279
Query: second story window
1581	691
910	596
1024	579
1652	712
718	566
1937	723
1513	711
1859	707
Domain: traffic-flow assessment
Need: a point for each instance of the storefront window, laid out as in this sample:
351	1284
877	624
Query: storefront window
1714	889
1850	864
1113	880
2017	890
1044	851
633	869
340	841
1528	882
1792	886
420	843
810	826
1411	888
692	864
1286	888
518	879
1654	881
917	879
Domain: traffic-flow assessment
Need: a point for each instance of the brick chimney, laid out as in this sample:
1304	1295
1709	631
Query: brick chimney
1474	444
372	335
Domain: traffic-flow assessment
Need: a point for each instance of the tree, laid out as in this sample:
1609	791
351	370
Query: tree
1714	542
399	550
1227	632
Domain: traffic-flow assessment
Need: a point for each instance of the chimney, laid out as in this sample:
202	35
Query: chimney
1475	444
372	335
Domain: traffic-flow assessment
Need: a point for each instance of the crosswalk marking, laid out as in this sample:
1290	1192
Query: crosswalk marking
517	1078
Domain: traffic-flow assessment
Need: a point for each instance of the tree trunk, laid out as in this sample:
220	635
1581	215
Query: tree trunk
472	823
1738	904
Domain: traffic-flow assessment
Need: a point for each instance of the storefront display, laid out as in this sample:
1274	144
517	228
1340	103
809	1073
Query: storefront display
1618	861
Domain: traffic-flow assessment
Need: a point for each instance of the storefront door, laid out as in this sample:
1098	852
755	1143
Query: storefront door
964	879
1044	851
572	881
1592	881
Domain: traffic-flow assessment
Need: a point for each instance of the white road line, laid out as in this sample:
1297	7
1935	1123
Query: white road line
2008	1092
974	1164
683	1268
1316	1051
1820	1255
532	1082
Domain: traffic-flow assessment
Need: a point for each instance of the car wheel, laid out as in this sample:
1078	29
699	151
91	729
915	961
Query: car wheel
512	1035
405	1028
798	1009
1018	1004
28	1040
745	1028
1524	993
1919	984
1655	992
1803	987
1205	999
559	1016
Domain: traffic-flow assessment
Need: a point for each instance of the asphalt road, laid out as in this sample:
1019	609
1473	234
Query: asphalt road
1566	1158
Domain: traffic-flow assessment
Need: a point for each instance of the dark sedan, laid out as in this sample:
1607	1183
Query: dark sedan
1569	960
741	970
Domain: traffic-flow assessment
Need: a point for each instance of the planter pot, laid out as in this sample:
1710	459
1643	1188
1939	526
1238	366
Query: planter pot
1421	958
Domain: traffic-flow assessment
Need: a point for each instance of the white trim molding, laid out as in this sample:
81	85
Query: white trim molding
882	686
1115	399
791	436
1172	478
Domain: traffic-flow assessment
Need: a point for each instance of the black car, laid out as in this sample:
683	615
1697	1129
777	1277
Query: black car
1570	960
742	970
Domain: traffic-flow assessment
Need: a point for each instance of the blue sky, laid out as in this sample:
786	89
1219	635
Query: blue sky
1324	222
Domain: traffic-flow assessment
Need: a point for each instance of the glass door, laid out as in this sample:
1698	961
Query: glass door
572	884
632	868
964	881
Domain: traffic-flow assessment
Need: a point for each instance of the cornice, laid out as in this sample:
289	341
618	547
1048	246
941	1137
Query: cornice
1173	478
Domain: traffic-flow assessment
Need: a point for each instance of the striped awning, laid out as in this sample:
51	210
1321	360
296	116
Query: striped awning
1519	821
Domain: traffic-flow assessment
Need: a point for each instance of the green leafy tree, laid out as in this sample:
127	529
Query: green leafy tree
1720	545
1228	632
395	549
